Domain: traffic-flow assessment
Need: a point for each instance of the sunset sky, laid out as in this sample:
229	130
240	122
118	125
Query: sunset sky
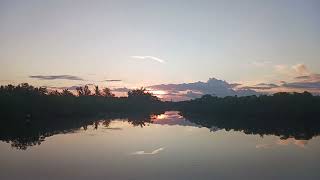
272	45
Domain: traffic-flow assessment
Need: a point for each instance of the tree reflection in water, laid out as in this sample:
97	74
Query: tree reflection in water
22	135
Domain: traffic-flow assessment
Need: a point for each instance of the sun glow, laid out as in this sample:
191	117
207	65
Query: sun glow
158	92
160	117
167	116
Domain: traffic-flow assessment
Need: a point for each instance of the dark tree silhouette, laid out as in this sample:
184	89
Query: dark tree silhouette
66	92
142	94
97	91
55	93
107	92
29	114
80	91
86	90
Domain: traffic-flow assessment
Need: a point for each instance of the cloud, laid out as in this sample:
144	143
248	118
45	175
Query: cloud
295	86
123	89
261	86
149	58
302	79
306	79
309	78
148	153
72	88
294	70
172	118
301	69
260	63
62	88
112	80
55	77
213	86
303	85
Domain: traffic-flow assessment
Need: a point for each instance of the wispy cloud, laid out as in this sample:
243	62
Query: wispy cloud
148	153
309	78
123	89
261	86
112	80
55	77
303	85
297	78
149	58
261	63
62	88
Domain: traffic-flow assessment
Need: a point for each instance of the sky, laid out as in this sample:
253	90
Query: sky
128	43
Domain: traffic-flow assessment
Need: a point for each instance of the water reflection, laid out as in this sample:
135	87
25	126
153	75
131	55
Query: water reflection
156	151
21	135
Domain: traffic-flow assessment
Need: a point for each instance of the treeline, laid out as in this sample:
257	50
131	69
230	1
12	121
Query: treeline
16	102
25	99
280	105
29	114
22	135
283	114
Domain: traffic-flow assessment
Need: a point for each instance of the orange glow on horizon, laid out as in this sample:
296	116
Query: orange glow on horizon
160	117
157	92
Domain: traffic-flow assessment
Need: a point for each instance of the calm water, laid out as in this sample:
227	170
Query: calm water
169	148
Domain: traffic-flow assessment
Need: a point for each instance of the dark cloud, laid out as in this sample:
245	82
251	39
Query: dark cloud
267	85
196	89
261	86
309	78
303	85
256	88
307	82
72	88
112	80
124	89
55	77
212	86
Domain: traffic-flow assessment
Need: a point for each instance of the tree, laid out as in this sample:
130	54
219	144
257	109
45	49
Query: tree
66	92
42	91
86	91
142	94
55	93
80	91
107	92
97	91
83	91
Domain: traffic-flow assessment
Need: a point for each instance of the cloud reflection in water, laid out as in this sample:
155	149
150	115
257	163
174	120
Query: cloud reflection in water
156	151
